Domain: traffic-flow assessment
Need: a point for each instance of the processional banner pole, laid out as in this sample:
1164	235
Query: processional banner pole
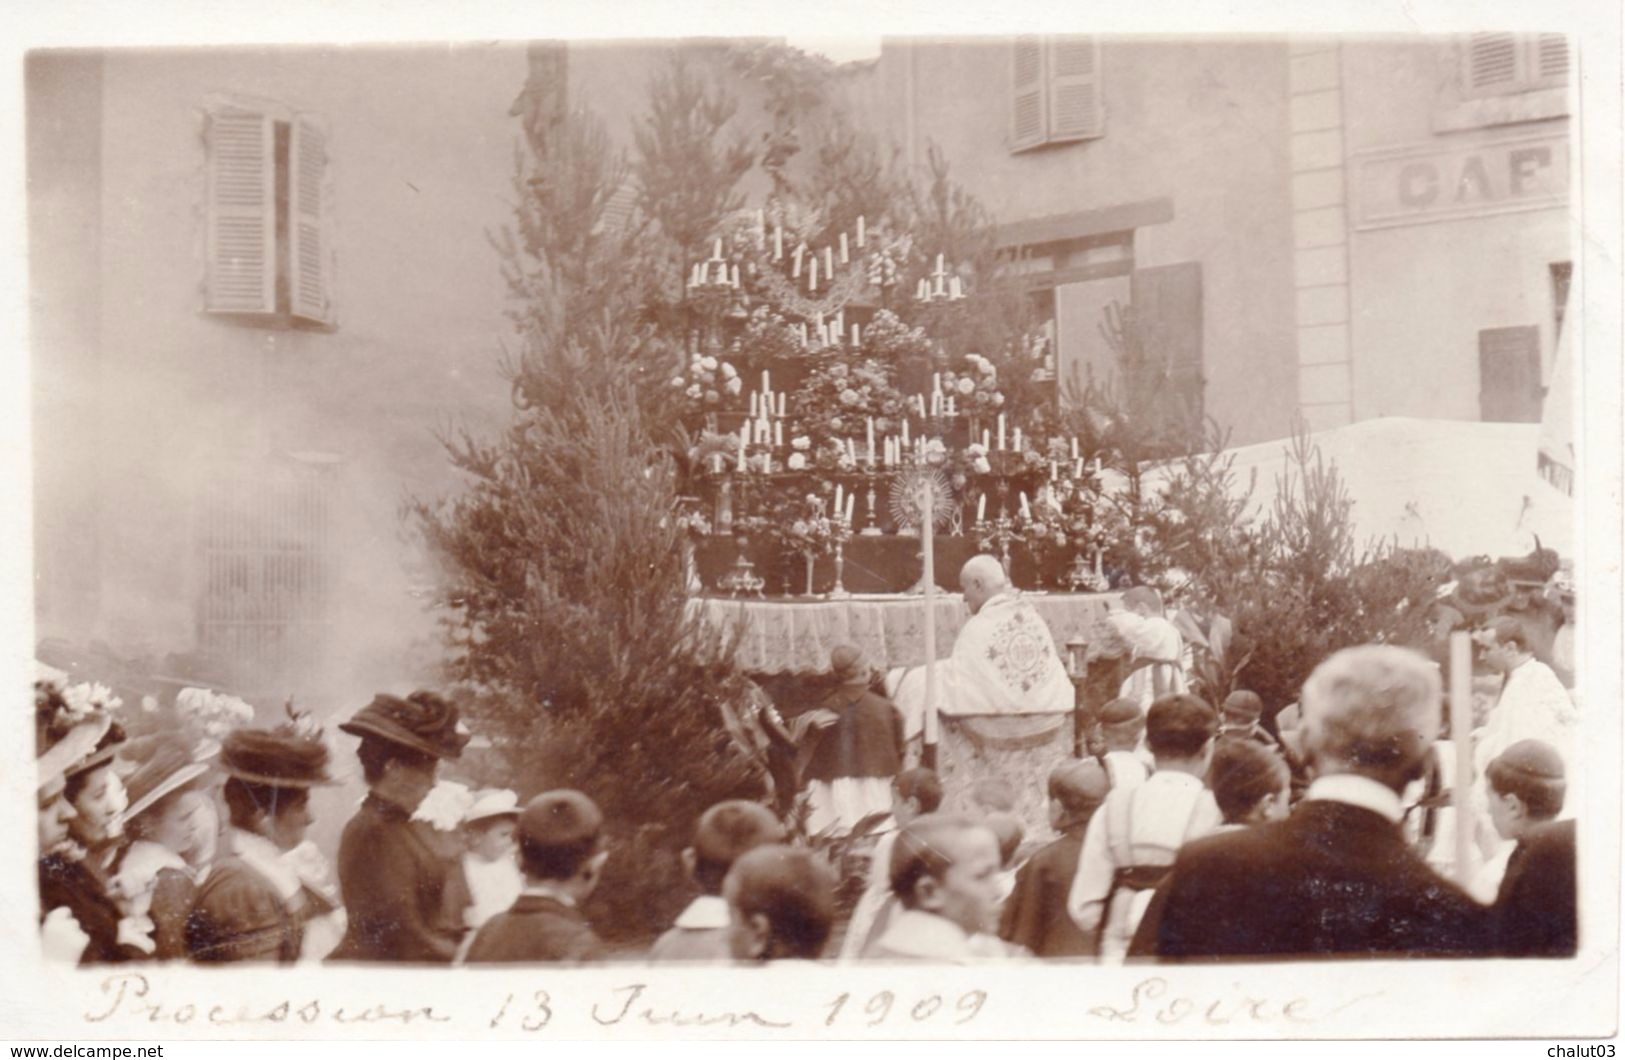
1461	737
927	535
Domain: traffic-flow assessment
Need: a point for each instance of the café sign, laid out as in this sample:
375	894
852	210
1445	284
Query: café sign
1429	182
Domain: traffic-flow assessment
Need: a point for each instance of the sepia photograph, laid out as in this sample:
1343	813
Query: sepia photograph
1048	531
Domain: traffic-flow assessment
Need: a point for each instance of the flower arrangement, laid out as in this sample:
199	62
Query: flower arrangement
974	387
709	385
840	397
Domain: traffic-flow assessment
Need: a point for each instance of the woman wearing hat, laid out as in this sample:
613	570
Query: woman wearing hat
393	882
81	920
253	905
173	828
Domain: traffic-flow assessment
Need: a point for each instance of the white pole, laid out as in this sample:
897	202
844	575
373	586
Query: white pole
1461	736
927	528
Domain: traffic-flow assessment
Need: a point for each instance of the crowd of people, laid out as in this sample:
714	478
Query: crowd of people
1187	833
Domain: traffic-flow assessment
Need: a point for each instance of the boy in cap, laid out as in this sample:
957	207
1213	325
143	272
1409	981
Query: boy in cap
1131	843
916	792
562	853
1122	723
1535	906
1035	915
853	748
945	873
781	904
726	831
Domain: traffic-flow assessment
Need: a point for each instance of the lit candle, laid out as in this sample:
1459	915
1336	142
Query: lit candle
844	258
1001	431
860	231
778	242
778	435
781	404
981	508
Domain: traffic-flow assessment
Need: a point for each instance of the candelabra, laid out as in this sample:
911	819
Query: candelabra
840	530
999	534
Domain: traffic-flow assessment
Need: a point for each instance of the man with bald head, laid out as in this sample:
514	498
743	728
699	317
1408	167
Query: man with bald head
1337	877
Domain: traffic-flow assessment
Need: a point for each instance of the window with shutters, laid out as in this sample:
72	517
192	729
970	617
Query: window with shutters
1055	91
268	257
1498	64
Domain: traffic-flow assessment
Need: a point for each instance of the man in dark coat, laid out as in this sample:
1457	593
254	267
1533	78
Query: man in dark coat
853	742
561	851
1035	914
393	881
1534	911
1336	878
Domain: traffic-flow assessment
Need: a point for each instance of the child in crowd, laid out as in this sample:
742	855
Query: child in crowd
1122	724
725	832
1535	906
562	854
1241	718
780	903
916	792
1131	843
490	862
945	874
1035	915
1251	784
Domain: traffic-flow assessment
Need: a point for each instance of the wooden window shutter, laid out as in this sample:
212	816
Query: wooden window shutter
1491	65
241	235
308	252
1509	389
1075	111
1027	120
1551	59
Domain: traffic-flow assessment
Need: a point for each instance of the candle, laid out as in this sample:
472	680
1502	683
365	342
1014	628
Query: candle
761	223
1026	512
778	435
984	438
829	262
767	463
1054	471
812	277
851	451
753	404
905	432
1001	431
953	406
860	231
741	467
1097	465
844	258
839	493
795	271
850	497
736	276
936	382
939	257
1074	447
717	253
716	463
920	289
981	508
1077	471
767	382
871	435
778	242
954	288
1017	440
781	404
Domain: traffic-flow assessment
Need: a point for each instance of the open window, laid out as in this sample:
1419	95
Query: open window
267	248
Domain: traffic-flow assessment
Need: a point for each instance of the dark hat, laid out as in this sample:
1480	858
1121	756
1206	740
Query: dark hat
1119	711
422	722
1079	782
170	764
849	665
559	819
1243	706
1533	759
279	758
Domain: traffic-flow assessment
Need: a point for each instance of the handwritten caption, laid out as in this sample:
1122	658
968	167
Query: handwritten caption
1150	1002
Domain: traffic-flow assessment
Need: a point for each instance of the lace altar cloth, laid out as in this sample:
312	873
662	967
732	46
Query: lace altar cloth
795	636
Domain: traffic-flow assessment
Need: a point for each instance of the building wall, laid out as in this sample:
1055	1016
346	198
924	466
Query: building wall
421	153
1423	289
1203	125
